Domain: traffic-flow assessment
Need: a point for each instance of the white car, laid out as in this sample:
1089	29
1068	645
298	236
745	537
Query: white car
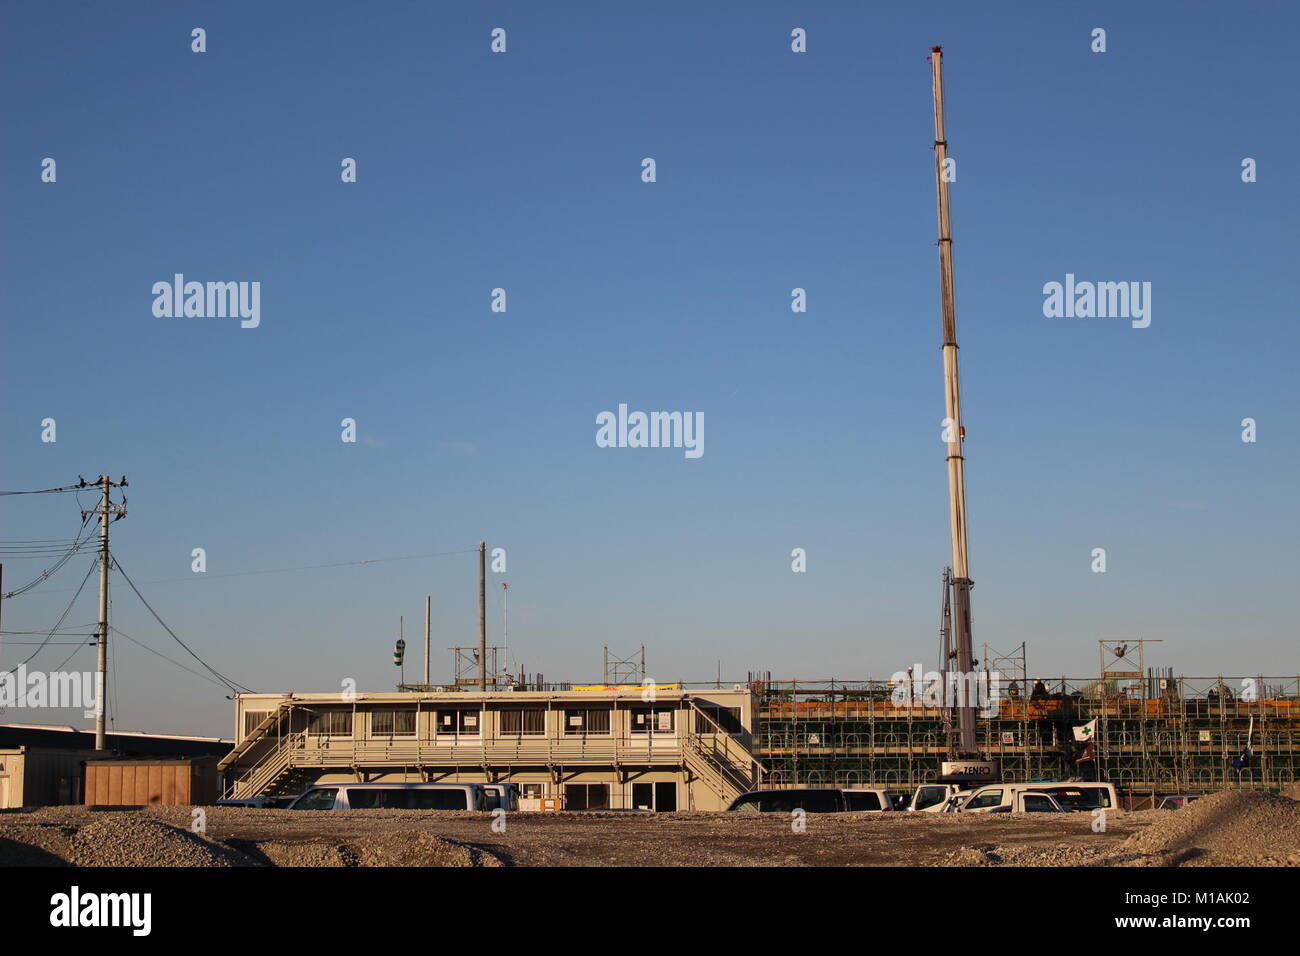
1010	798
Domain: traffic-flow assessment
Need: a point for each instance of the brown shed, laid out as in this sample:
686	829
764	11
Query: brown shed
143	782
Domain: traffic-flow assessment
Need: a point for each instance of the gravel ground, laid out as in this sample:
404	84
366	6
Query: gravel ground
1229	828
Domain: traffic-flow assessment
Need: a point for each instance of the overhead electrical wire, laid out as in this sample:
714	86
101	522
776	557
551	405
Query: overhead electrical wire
304	567
51	491
62	617
236	688
121	633
76	546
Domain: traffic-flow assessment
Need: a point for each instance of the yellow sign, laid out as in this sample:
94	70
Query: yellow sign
624	688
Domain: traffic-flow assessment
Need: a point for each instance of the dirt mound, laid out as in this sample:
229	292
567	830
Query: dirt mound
130	841
418	848
1229	828
1292	790
402	848
311	853
35	845
973	856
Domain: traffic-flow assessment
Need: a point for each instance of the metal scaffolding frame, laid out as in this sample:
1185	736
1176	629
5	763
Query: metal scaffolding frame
1161	734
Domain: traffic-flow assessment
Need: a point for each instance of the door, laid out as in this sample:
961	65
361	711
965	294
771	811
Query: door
643	796
666	796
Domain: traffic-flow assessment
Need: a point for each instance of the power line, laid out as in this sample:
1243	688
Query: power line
190	670
225	680
304	567
49	491
62	617
54	568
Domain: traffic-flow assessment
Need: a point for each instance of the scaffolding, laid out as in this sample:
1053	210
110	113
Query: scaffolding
1156	733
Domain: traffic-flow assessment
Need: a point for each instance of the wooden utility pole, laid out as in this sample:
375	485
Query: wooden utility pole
106	508
482	615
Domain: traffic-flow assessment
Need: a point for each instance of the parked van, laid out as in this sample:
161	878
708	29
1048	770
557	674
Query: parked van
1010	798
501	796
873	800
784	801
814	800
392	796
1080	796
932	797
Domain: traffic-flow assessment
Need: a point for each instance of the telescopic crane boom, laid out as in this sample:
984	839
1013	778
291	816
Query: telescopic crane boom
968	746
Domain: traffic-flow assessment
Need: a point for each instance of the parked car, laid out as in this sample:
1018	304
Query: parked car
265	803
1081	796
1010	798
392	796
1176	801
932	797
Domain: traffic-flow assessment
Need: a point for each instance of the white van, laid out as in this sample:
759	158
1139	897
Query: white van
503	796
1010	798
873	799
932	797
1081	797
392	796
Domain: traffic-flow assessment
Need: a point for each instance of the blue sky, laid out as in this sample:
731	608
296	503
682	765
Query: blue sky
775	170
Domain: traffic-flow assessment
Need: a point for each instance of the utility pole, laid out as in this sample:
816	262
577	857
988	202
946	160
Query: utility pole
482	615
968	746
428	608
106	508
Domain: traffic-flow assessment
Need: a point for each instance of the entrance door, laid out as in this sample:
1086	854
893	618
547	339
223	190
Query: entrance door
666	796
643	796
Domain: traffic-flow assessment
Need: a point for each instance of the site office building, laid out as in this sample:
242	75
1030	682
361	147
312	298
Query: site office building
593	749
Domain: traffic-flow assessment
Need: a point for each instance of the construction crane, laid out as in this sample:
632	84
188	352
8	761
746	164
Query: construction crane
964	757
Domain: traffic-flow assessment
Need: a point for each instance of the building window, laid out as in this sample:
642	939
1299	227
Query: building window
523	722
652	720
392	723
252	718
531	791
462	722
586	721
332	723
728	718
586	796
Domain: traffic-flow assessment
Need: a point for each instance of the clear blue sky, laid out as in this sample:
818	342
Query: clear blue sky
775	170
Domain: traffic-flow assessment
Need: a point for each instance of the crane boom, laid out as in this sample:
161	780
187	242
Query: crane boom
955	433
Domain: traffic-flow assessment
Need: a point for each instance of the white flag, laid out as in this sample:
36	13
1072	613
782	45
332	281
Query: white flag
1087	731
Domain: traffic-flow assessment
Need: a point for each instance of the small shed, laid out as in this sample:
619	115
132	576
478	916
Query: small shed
143	782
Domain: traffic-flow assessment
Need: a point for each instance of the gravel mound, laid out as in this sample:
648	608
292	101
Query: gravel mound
312	853
132	841
401	848
35	845
418	848
1229	828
